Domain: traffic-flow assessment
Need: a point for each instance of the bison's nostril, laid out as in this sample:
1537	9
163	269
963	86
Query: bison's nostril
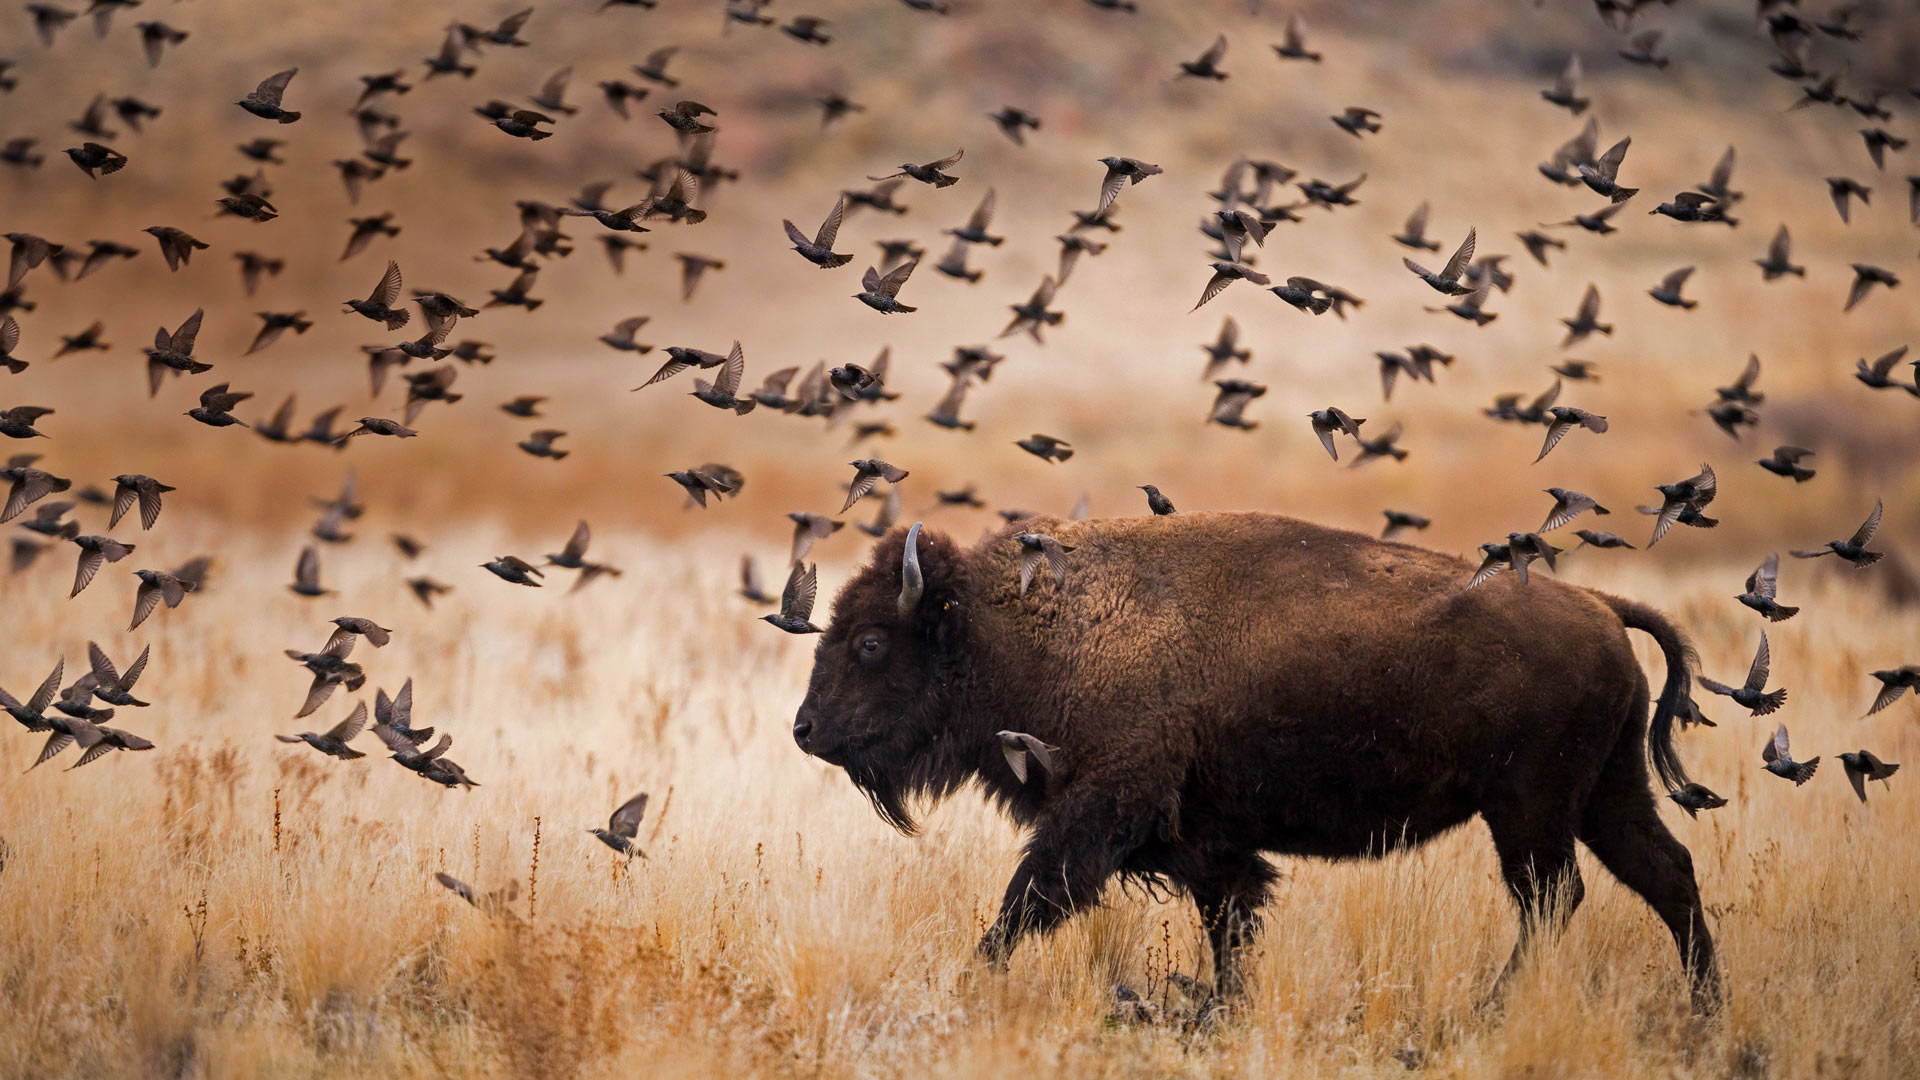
801	729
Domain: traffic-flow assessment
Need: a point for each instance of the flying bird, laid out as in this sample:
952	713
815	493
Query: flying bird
623	828
1862	767
796	602
1021	748
1779	761
1752	694
1036	548
1854	548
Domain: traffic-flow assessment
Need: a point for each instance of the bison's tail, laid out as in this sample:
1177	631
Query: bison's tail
1680	659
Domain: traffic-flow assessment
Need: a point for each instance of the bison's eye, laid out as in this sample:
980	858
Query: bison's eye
871	647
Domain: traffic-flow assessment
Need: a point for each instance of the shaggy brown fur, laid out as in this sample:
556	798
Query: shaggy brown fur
1227	685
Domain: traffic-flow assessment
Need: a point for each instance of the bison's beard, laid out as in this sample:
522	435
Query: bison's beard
929	773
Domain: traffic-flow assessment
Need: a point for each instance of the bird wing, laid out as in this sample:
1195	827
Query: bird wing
1608	164
1749	374
945	163
272	87
750	576
1215	285
983	214
1555	432
577	543
1417	222
44	696
1110	186
830	228
388	290
890	283
1764	582
101	665
1029	562
1885	363
124	496
1417	268
796	600
1705	487
1762	662
1568	83
626	820
1214	53
1056	555
1722	174
145	599
1672	282
182	339
346	729
731	372
1868	527
306	569
1489	566
1461	257
555	87
149	494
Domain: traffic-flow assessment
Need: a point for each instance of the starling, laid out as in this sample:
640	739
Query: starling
796	602
1294	43
750	586
1357	121
879	292
264	102
1231	404
96	160
1694	798
1752	694
514	569
216	406
692	269
334	742
1208	64
808	527
1586	320
17	422
623	828
1121	171
1496	557
819	251
1020	748
1329	420
348	626
1046	447
1780	762
1568	505
1841	189
155	37
175	246
1865	277
174	352
1641	50
377	425
1156	502
275	323
1300	292
1668	291
933	172
1694	207
425	589
655	67
698	482
94	551
1602	175
1036	548
1414	233
1854	548
1894	682
156	585
27	485
1224	274
1761	587
1538	244
540	444
1862	766
1399	521
131	487
1013	123
1875	374
1471	307
1600	221
884	519
1447	282
378	305
867	473
1034	314
1786	462
1565	91
1684	498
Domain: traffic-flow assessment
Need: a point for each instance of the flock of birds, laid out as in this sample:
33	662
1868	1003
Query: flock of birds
1250	205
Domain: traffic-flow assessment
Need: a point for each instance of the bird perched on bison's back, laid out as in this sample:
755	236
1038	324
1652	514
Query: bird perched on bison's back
1779	759
1854	548
1156	502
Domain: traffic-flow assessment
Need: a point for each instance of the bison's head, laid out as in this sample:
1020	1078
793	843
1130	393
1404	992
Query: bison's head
885	673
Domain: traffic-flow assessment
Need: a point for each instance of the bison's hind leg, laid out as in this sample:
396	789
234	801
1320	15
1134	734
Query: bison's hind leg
1622	828
1230	892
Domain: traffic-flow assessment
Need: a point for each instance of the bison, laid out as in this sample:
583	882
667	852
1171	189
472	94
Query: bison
1224	686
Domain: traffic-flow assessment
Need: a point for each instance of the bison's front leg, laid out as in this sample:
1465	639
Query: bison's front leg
1076	846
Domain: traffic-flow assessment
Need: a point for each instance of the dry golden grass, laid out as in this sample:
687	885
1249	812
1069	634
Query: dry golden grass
231	906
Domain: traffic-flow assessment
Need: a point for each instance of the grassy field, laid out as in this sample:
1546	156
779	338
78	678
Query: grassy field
231	906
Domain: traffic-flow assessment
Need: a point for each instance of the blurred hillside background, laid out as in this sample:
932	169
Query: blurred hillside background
1458	87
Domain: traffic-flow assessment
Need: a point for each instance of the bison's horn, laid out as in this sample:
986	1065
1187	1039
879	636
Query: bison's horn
911	583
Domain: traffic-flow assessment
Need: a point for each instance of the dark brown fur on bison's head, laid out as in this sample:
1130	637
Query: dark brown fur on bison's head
884	674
